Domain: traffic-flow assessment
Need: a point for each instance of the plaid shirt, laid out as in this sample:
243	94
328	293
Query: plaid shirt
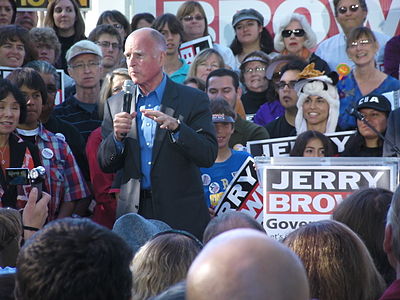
64	180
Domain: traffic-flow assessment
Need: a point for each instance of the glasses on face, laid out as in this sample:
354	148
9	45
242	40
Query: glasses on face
106	44
190	18
297	32
81	66
281	84
257	69
343	9
361	43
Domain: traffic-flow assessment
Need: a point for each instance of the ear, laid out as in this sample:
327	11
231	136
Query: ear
388	240
163	54
239	92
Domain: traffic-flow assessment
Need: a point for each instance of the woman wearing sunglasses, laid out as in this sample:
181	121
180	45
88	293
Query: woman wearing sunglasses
194	22
296	37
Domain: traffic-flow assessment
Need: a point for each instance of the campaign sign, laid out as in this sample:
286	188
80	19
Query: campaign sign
295	194
5	71
394	98
189	49
60	91
282	146
32	5
243	193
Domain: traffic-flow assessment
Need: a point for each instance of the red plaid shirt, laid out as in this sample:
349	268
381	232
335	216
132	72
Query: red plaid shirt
64	180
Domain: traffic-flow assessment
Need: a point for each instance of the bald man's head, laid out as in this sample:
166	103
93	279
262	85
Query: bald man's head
246	264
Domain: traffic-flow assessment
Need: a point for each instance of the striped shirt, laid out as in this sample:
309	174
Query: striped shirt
83	116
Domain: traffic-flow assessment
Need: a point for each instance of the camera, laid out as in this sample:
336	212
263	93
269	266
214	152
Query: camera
24	176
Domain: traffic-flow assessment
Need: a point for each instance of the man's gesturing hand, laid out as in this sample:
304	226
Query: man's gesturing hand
165	121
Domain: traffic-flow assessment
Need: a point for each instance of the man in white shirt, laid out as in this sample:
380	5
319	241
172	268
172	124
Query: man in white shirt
349	14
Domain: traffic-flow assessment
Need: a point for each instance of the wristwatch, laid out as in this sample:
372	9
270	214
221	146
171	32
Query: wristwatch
178	127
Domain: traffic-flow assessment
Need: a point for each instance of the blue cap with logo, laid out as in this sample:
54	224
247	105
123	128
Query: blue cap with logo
375	101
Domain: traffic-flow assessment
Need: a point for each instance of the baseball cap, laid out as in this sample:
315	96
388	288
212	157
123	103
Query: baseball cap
375	101
247	14
222	118
255	58
83	47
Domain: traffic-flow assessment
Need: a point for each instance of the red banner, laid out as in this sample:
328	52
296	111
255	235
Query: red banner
383	15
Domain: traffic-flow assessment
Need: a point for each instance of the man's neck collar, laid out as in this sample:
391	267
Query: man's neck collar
146	89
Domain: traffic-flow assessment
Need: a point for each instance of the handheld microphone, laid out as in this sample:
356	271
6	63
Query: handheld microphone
127	87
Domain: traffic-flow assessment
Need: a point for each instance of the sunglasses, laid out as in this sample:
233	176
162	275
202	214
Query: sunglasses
296	32
190	18
343	9
281	84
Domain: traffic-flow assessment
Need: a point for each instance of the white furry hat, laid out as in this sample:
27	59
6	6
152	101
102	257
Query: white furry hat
323	86
310	37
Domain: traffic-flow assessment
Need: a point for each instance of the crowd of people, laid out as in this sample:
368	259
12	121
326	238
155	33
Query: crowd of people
141	150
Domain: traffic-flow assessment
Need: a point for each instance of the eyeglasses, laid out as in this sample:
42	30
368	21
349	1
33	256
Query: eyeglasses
343	9
117	26
361	43
257	69
81	66
190	18
106	44
296	32
281	84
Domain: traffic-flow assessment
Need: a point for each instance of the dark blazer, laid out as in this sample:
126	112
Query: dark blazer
176	184
392	133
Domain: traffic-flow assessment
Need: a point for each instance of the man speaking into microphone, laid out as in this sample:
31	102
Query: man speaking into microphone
159	145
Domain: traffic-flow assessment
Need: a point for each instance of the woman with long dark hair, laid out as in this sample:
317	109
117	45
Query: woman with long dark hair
250	35
65	18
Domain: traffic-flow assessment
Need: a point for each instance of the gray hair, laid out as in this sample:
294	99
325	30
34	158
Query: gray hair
310	37
45	67
393	219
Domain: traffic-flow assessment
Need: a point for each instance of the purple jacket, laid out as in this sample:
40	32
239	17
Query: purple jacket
392	57
268	112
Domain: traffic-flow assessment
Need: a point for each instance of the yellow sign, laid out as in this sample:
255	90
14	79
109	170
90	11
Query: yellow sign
42	4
